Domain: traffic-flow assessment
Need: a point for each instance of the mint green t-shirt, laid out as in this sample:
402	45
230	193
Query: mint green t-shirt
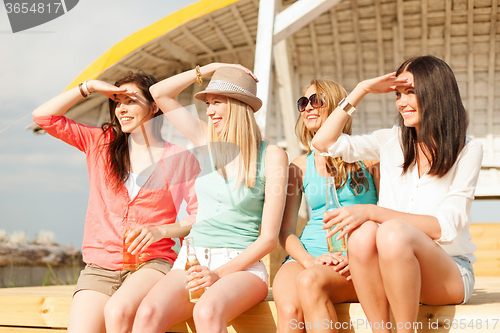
228	216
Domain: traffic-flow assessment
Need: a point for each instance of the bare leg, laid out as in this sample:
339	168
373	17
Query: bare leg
287	299
415	268
120	310
319	288
86	314
366	275
166	304
226	299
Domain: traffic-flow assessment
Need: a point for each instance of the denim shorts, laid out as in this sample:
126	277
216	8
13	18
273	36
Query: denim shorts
288	259
464	265
215	257
467	272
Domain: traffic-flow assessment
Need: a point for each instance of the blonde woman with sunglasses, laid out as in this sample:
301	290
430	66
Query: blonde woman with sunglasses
311	280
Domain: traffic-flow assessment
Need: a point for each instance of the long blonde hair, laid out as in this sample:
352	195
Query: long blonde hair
241	130
332	93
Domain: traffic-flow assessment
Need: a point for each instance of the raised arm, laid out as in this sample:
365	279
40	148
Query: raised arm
58	105
165	93
330	131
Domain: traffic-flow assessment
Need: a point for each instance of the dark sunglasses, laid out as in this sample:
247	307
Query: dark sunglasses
316	102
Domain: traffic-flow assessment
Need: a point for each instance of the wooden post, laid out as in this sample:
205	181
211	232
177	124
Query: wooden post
285	93
264	57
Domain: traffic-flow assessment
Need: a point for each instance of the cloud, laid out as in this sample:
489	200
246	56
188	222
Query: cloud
42	159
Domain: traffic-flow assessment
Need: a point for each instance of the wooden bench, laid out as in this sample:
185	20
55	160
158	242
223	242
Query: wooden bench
40	309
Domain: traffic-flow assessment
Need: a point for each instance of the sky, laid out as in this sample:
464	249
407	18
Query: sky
43	181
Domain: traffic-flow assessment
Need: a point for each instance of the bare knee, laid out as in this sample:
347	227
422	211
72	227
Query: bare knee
206	315
395	235
362	242
116	313
289	310
394	239
146	314
311	286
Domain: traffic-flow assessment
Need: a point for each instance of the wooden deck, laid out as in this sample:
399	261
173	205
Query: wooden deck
43	309
40	309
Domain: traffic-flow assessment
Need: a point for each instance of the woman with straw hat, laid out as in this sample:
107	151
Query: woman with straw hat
125	192
241	192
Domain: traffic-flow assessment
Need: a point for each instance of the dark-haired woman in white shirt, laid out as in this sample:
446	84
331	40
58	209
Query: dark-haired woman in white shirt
415	246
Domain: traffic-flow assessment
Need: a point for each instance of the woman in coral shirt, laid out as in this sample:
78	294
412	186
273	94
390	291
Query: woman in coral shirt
136	180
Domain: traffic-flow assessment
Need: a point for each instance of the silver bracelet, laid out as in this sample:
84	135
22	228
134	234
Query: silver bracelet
347	107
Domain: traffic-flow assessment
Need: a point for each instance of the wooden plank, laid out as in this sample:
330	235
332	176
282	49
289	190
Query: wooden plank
31	302
48	307
5	329
359	58
380	58
241	24
314	48
223	38
399	37
36	311
486	236
298	15
425	28
177	51
336	47
470	63
447	32
286	97
197	41
491	70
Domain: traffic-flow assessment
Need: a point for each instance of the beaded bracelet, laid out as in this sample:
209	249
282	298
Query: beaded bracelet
198	75
81	91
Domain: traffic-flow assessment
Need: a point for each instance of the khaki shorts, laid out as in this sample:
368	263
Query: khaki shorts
106	281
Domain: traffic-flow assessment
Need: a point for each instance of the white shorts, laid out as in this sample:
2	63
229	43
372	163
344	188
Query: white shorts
215	257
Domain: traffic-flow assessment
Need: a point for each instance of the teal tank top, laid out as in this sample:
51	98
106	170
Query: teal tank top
228	216
313	236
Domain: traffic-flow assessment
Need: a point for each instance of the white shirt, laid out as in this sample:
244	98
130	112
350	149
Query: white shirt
448	198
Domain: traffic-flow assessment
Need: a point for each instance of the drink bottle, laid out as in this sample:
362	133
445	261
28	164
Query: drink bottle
190	262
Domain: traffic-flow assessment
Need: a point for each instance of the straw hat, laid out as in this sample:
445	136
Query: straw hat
235	83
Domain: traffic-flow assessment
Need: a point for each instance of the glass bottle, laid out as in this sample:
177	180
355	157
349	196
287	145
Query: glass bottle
130	261
192	261
332	203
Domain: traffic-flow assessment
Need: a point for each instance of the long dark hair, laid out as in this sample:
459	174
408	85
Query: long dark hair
117	150
443	120
335	166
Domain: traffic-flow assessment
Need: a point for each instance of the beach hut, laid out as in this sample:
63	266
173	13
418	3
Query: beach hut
288	42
